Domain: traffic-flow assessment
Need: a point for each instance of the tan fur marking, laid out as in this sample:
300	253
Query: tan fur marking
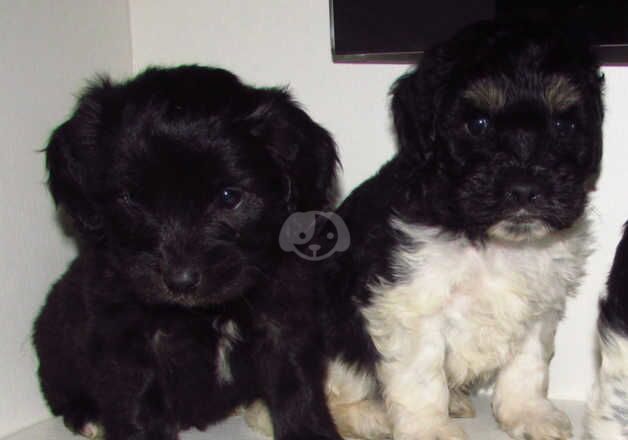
486	94
560	93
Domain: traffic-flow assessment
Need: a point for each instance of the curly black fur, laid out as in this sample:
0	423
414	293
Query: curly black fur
181	305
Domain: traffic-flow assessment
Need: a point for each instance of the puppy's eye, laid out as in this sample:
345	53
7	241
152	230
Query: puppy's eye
564	126
125	198
230	198
478	126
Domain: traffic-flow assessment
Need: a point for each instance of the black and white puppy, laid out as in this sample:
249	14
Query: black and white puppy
181	304
607	417
466	245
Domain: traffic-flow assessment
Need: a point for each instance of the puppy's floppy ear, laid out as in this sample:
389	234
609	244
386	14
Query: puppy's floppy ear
593	81
304	150
75	160
414	109
410	123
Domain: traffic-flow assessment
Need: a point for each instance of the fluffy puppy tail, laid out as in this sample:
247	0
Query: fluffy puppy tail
607	416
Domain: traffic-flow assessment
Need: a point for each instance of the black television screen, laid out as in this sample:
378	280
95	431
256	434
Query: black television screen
399	30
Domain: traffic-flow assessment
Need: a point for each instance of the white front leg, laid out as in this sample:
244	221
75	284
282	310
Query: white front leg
520	401
414	384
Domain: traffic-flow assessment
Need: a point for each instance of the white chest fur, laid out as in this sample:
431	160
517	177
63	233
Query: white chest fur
229	336
482	299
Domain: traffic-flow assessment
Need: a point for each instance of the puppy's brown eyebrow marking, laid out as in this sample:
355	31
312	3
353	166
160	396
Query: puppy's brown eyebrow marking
487	94
560	93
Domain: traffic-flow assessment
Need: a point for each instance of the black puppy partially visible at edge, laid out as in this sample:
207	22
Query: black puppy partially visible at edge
181	305
608	403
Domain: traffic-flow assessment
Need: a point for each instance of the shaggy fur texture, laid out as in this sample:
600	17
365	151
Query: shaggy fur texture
465	246
607	416
181	305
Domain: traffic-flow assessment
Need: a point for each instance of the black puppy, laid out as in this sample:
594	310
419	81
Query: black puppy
608	404
181	304
466	245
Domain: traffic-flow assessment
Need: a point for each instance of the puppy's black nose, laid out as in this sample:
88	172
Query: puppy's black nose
523	193
182	280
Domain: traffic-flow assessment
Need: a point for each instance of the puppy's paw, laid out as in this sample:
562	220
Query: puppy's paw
365	419
303	436
80	418
460	405
448	430
536	421
92	431
258	419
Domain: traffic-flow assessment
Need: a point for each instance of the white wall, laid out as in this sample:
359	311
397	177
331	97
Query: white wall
48	49
287	42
